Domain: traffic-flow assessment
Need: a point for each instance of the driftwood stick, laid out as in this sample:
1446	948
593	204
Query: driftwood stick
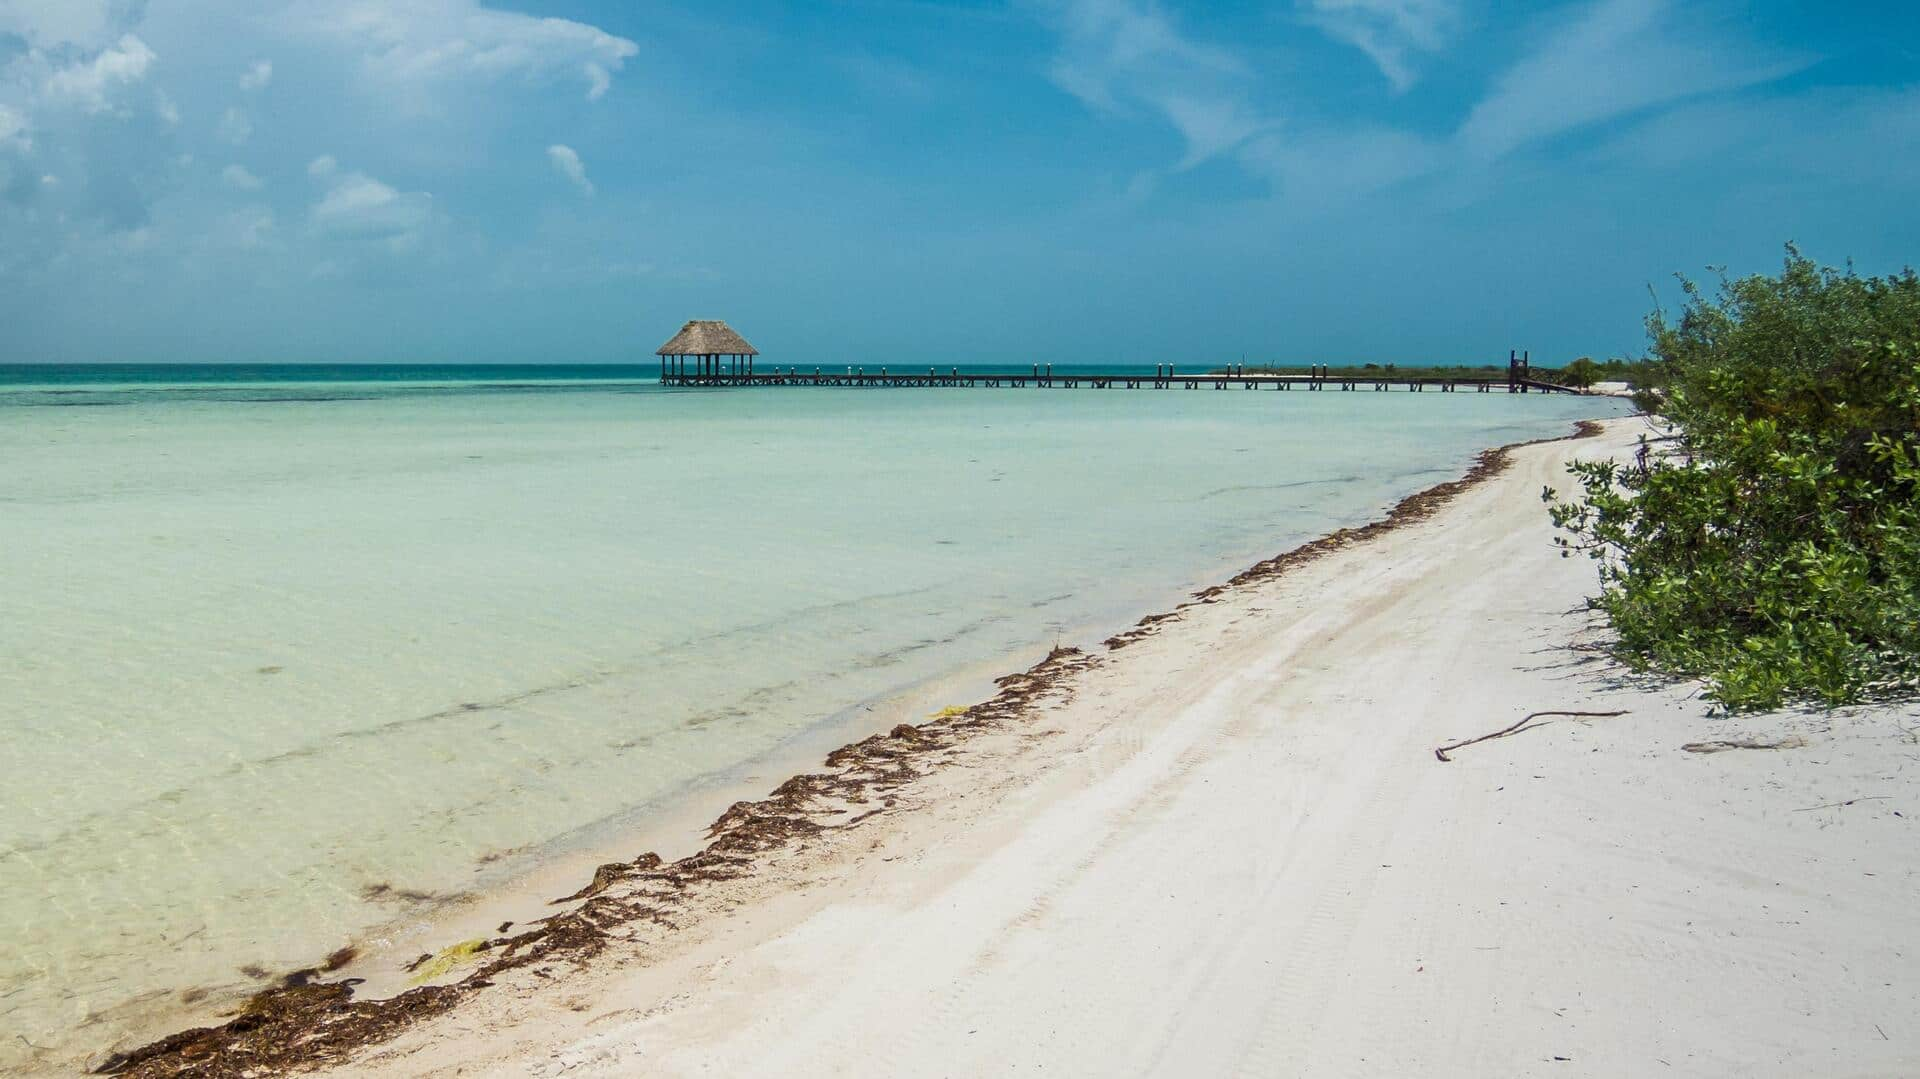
1441	752
1848	802
1721	745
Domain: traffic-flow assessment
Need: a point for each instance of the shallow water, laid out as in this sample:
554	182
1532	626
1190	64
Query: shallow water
268	648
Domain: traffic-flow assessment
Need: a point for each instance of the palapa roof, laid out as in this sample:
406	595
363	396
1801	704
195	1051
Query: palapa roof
707	337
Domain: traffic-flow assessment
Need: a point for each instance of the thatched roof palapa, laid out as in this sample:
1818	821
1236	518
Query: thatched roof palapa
707	337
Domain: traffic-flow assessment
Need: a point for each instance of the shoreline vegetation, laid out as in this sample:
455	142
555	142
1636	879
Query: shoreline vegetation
1767	542
1581	374
309	1021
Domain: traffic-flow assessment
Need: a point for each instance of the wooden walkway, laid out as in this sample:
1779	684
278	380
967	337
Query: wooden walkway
954	378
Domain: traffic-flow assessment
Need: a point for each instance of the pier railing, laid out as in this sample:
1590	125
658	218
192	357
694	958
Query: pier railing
1045	378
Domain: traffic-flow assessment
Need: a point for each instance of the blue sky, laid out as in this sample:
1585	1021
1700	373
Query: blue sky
1080	180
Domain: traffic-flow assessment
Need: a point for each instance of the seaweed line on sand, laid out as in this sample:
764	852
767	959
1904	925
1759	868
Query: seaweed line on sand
305	1022
1415	507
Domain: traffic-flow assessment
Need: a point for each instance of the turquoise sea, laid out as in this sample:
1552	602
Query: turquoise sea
287	651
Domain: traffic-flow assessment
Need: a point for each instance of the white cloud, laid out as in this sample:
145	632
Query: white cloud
1211	124
235	127
238	178
322	166
416	46
89	85
98	92
598	81
1329	168
1116	55
13	129
1618	57
1798	137
1608	59
51	23
1597	62
248	228
358	203
1388	30
358	206
569	164
257	75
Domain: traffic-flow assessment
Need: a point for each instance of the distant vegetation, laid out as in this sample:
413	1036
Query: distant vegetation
1459	371
1581	373
1769	541
1585	371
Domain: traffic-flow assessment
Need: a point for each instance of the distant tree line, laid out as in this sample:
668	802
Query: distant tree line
1641	374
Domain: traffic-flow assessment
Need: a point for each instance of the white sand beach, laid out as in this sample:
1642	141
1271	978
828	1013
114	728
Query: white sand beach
1229	848
960	539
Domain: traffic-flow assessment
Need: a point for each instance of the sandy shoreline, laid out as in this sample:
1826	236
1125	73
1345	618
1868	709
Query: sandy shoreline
1119	865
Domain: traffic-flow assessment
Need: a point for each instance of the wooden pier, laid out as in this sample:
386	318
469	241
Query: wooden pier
708	353
1044	377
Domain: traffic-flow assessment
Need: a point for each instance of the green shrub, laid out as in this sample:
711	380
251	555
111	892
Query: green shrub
1770	544
1580	374
1584	372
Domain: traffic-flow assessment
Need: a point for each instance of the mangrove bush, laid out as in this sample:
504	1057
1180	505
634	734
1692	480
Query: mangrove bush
1767	541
